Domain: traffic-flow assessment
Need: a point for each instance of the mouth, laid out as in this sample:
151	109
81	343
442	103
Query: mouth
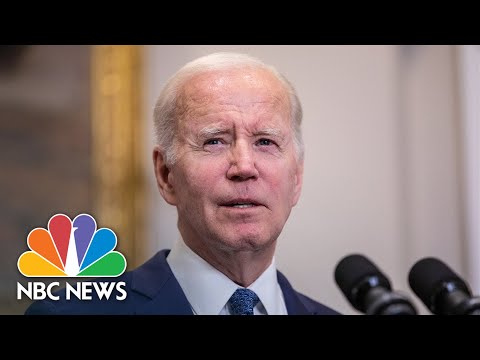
241	203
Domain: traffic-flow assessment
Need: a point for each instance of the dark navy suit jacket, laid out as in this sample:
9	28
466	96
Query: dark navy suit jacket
152	289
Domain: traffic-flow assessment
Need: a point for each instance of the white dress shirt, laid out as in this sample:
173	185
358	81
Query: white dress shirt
208	290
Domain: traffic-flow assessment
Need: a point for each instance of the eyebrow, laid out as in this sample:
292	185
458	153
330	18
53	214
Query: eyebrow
269	132
211	131
216	130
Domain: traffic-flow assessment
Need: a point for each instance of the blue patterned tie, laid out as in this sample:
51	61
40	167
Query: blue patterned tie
243	301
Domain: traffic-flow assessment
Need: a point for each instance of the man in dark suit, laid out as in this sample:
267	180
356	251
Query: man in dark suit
229	156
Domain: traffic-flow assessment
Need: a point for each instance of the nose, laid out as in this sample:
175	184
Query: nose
242	163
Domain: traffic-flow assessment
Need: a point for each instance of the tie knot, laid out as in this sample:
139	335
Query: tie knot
243	301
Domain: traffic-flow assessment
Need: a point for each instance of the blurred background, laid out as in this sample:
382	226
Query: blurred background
392	165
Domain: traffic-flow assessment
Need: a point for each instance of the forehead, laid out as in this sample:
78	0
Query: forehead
240	87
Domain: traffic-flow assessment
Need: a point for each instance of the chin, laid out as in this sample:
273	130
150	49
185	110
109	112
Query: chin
248	241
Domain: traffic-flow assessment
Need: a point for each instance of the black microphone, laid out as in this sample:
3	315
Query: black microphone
368	289
441	290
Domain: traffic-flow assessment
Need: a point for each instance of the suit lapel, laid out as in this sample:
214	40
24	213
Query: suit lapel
294	305
156	281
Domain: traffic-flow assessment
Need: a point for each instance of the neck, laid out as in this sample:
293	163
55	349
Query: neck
241	266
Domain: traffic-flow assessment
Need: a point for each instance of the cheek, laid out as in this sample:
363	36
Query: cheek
197	181
282	183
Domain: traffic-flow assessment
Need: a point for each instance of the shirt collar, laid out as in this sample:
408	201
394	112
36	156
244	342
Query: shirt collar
268	290
208	289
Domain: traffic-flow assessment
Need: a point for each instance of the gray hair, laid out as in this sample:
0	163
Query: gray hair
166	112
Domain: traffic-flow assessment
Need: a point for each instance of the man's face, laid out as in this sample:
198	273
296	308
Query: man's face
237	175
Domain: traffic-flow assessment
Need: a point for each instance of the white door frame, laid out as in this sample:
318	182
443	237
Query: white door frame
469	66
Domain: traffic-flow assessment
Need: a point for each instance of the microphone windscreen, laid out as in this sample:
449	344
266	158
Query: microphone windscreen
428	276
354	269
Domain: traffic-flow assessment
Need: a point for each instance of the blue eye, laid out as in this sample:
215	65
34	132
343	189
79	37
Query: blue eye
265	142
213	142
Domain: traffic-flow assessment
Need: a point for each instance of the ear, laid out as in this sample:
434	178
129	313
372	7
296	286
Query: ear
298	182
164	176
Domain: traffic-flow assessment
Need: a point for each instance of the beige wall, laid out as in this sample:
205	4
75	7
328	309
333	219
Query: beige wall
431	155
381	167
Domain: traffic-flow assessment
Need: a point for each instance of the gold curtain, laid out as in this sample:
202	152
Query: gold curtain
117	139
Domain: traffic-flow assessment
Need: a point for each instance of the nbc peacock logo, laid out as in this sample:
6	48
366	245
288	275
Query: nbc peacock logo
72	249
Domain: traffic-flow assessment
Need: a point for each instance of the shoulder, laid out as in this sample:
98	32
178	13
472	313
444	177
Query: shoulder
315	307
